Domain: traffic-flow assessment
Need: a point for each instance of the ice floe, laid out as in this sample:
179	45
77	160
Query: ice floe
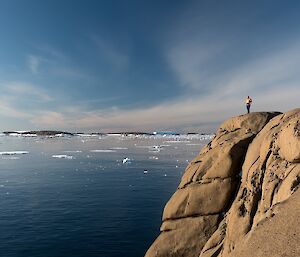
29	135
177	141
13	152
126	160
103	151
153	157
11	158
63	156
119	148
153	148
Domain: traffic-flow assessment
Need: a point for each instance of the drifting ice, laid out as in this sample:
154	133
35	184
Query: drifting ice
102	151
126	160
63	156
13	152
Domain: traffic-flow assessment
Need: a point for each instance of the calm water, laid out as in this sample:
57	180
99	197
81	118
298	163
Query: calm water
90	205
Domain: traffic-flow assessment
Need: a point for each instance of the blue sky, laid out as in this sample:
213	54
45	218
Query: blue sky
113	65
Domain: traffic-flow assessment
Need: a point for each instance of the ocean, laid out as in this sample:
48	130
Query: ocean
87	196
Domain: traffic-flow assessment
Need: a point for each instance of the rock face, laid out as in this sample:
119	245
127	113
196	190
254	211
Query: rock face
216	213
271	174
207	189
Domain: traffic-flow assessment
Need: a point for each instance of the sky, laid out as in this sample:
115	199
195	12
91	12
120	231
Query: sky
145	65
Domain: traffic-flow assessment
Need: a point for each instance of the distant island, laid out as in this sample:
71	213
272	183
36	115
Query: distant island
65	133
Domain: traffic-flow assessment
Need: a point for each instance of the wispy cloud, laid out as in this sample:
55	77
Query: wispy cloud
7	110
190	60
192	114
49	61
14	95
269	74
33	63
111	54
49	119
22	90
273	81
278	69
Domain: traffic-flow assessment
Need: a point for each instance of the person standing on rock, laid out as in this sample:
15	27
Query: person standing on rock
248	103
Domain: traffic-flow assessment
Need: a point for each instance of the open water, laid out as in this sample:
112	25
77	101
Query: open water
75	196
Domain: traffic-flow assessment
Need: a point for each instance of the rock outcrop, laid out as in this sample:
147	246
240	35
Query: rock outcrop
214	213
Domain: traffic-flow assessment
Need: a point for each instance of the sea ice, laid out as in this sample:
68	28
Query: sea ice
153	158
177	141
119	148
126	160
13	152
103	151
63	156
29	135
87	135
11	158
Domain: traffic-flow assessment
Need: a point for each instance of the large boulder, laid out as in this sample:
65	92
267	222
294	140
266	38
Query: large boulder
207	189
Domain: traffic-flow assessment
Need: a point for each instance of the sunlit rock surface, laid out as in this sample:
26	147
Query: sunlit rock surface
207	190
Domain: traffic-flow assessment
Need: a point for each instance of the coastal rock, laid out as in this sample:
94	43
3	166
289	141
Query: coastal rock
207	189
277	236
175	240
270	177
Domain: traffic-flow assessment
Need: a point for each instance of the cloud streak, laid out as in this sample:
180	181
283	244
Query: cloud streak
111	54
22	90
33	63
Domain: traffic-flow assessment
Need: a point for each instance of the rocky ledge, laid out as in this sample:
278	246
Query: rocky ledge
238	197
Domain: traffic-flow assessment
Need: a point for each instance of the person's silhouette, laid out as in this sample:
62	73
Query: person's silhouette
248	103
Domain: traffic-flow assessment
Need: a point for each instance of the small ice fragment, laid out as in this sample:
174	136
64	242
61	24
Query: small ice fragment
165	175
176	166
63	156
153	158
126	160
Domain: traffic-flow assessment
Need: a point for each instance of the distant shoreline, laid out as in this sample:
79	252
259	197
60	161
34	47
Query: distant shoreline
65	133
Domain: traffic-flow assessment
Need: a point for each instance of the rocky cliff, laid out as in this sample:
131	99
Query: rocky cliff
238	196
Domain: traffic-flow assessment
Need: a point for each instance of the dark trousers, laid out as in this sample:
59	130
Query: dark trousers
248	107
